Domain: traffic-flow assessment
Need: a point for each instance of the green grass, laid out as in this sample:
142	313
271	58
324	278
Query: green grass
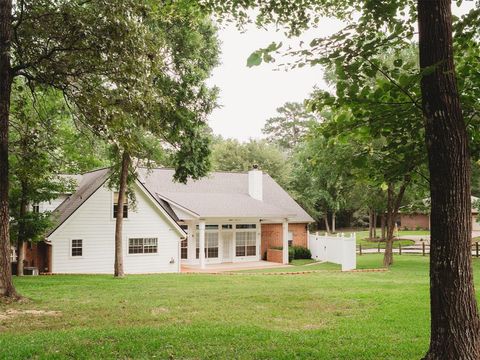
323	315
374	244
402	233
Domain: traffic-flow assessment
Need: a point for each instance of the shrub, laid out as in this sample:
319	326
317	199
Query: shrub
300	252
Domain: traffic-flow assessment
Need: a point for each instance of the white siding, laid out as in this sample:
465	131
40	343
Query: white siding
52	204
94	224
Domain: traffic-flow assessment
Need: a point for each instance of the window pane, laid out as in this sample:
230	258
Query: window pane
115	205
246	226
240	251
227	226
251	250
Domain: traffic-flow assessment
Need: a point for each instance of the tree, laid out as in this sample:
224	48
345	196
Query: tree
380	25
166	109
452	295
232	155
76	47
290	126
322	178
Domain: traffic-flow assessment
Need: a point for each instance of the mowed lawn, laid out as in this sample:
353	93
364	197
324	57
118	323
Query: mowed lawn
322	315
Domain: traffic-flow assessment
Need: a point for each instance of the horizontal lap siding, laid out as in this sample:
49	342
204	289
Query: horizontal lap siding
93	223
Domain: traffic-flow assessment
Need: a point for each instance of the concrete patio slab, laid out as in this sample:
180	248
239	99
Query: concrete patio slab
227	267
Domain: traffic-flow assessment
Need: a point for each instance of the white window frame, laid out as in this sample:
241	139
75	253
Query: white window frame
71	249
143	246
113	204
246	230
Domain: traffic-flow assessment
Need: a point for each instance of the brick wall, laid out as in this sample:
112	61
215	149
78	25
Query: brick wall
414	221
272	235
275	256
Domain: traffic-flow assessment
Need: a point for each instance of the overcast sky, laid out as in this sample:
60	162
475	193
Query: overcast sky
249	96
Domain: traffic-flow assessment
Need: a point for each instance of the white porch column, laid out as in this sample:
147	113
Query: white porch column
285	241
201	243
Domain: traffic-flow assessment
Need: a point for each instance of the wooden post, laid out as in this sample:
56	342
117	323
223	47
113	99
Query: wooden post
399	249
423	248
360	248
476	249
379	247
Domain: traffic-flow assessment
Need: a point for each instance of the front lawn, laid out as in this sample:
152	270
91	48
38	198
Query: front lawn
322	315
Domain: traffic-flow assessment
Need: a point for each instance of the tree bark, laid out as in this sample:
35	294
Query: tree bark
21	237
333	221
370	224
455	325
325	219
6	284
374	224
122	191
393	205
383	225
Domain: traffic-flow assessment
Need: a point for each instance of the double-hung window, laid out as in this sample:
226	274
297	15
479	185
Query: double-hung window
245	242
115	205
142	245
77	248
211	242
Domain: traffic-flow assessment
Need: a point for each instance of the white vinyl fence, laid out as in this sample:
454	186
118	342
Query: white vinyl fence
338	249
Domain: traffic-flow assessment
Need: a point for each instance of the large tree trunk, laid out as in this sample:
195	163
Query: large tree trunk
6	285
122	192
21	237
455	326
327	226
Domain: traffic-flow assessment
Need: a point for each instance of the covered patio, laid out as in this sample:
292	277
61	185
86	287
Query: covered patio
228	267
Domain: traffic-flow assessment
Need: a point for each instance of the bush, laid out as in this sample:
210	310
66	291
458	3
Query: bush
300	252
296	252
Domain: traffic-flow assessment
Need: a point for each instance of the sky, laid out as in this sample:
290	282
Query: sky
249	96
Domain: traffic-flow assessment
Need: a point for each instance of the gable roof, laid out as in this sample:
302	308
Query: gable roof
223	194
89	183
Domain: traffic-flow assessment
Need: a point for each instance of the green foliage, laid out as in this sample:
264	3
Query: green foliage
300	252
232	155
289	128
43	142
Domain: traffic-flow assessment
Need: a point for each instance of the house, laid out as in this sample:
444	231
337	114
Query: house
224	217
418	216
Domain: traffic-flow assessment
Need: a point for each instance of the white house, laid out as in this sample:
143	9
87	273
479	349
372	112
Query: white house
225	217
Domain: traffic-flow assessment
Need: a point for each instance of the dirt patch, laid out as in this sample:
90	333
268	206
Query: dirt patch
12	313
159	310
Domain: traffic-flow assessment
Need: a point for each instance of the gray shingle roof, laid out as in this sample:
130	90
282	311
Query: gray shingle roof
223	194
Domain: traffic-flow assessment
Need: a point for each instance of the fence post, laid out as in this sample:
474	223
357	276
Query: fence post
423	248
342	235
399	249
476	249
379	247
360	248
